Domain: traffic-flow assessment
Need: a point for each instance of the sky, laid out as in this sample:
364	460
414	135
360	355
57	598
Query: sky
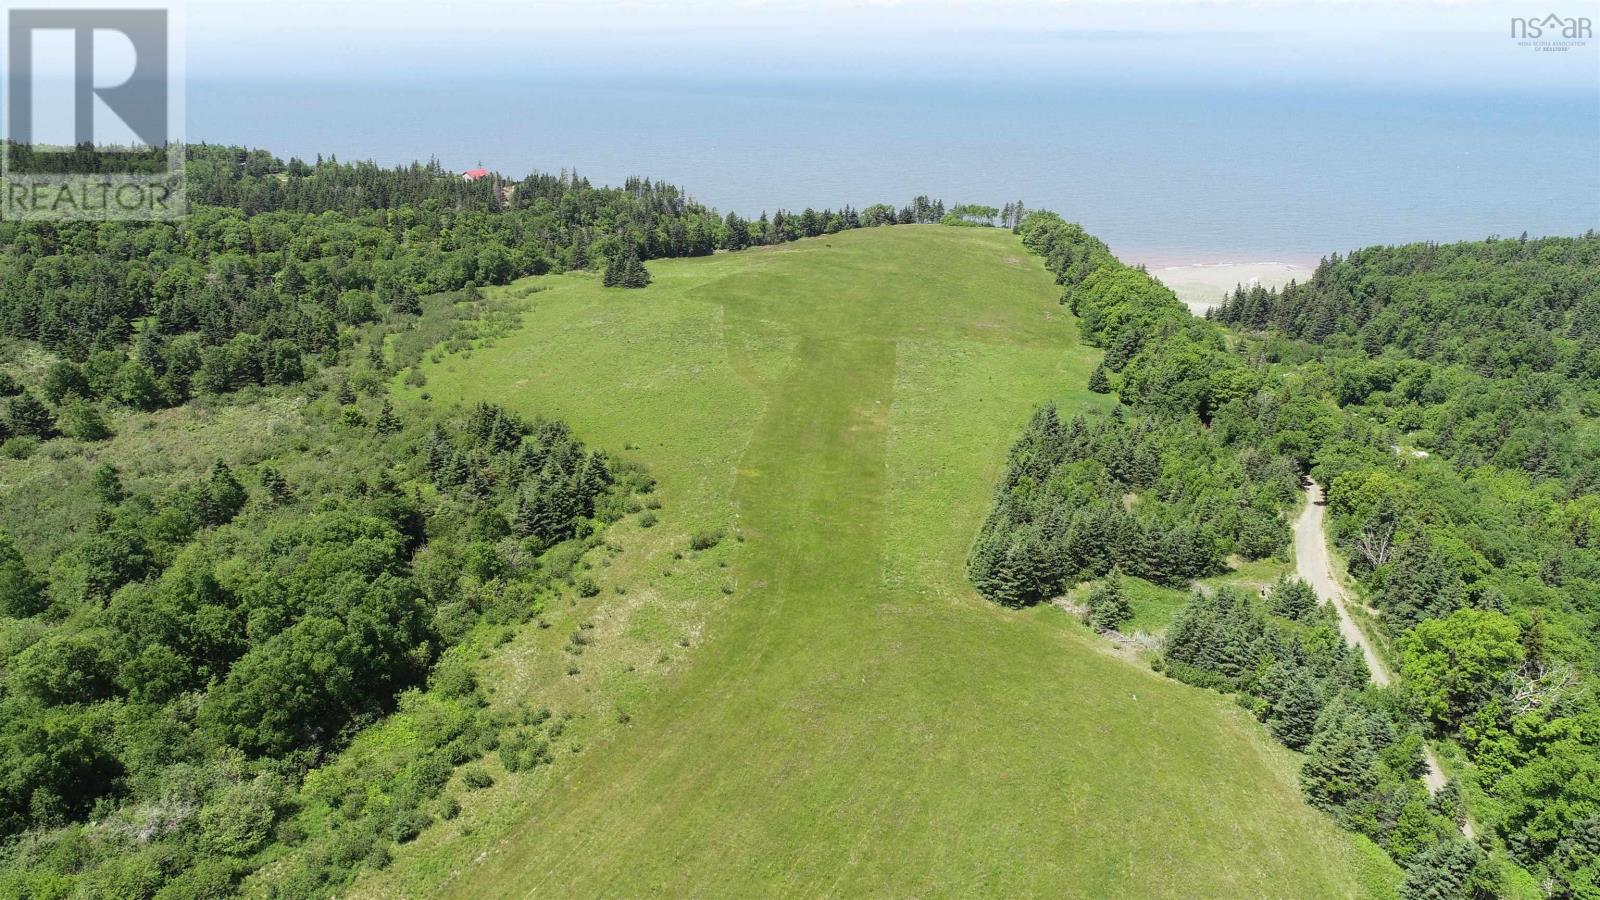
1426	42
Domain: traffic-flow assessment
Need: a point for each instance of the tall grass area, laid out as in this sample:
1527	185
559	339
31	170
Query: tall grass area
818	702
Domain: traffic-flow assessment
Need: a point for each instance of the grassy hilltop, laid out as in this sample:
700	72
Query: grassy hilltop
818	702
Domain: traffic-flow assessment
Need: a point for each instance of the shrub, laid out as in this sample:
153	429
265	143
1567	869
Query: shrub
448	808
408	824
209	877
239	823
705	539
379	857
82	420
19	447
453	677
476	778
524	751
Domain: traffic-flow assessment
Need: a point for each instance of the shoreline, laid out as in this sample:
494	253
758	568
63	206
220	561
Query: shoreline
1201	284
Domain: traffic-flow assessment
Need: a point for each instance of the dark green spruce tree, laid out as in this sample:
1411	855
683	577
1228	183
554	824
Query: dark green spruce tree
22	593
277	487
388	422
107	485
1293	716
1099	381
625	270
1109	608
30	417
1447	870
1292	599
1340	763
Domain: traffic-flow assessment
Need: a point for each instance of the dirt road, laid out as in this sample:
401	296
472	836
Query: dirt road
1315	567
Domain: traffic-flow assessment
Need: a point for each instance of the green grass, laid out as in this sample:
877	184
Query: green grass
820	704
1154	606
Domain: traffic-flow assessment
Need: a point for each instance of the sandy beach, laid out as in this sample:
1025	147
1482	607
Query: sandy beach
1202	285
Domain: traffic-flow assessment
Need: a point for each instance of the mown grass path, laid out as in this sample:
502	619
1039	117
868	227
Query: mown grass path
856	720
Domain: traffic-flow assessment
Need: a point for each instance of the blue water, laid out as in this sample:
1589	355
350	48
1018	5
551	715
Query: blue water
1165	172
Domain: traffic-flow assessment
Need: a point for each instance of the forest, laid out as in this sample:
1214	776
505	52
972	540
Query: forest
275	258
1478	362
1446	395
178	663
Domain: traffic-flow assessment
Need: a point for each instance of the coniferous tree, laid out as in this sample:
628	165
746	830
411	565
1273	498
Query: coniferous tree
28	416
625	270
1447	802
1421	585
277	487
1292	599
1447	870
107	485
615	266
387	422
525	521
1340	762
22	593
406	302
993	570
634	274
222	496
439	451
477	485
454	472
1293	715
1109	608
1099	382
736	234
596	475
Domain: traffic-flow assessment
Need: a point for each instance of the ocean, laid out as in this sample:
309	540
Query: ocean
1168	174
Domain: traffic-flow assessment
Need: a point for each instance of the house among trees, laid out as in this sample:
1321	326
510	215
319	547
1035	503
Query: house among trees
475	174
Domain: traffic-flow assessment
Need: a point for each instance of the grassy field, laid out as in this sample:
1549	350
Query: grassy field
820	704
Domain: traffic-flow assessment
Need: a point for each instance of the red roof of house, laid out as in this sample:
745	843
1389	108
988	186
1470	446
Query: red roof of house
473	174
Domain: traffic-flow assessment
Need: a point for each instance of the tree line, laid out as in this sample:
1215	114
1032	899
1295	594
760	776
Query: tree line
293	251
1468	519
1444	400
1061	515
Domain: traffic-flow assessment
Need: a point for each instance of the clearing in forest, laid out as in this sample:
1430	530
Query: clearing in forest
852	718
